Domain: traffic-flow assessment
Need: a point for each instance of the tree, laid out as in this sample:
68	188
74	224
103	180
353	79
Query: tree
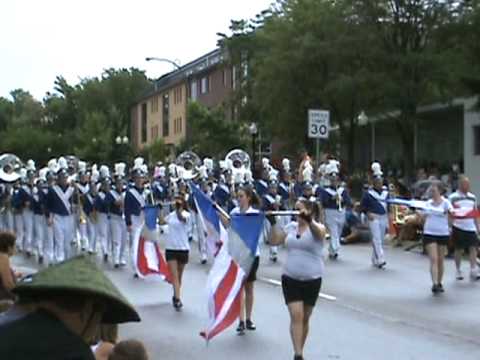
210	133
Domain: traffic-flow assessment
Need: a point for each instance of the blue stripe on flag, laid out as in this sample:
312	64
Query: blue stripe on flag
248	227
206	207
151	215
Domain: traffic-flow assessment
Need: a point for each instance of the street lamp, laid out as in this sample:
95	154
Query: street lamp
363	119
174	63
253	130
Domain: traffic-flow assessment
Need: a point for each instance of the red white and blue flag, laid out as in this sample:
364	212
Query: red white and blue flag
231	265
457	212
150	263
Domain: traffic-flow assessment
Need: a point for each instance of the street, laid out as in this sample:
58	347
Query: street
376	315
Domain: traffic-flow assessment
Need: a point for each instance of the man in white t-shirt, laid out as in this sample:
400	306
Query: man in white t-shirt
465	231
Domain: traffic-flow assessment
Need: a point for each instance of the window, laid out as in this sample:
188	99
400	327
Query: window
165	115
177	96
154	104
224	73
193	90
476	140
144	123
180	124
234	77
204	85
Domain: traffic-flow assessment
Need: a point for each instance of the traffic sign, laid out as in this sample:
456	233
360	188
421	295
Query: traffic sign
318	124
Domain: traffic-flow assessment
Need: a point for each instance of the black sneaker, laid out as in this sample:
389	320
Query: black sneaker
203	262
40	260
382	265
105	258
440	288
116	266
241	328
298	357
251	325
435	288
177	304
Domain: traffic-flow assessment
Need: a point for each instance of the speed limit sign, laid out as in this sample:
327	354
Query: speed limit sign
318	124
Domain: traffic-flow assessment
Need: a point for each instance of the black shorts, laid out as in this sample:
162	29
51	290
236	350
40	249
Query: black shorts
304	291
437	239
252	276
181	256
464	239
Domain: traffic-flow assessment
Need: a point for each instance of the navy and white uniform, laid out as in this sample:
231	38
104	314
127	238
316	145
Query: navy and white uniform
90	213
261	187
48	242
134	218
26	196
6	203
17	207
102	228
270	202
334	201
82	224
374	203
115	200
222	195
59	207
39	221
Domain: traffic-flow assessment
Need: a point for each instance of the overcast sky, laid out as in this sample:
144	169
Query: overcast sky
78	38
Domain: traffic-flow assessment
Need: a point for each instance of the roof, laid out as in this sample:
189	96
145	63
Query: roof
197	66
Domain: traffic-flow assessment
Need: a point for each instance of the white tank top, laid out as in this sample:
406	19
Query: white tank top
436	224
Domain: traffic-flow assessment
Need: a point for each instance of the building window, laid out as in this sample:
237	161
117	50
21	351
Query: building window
204	85
144	123
165	115
193	90
476	140
180	125
225	77
154	104
177	96
234	77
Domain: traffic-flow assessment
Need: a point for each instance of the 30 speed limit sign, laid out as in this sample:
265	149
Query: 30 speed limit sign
318	124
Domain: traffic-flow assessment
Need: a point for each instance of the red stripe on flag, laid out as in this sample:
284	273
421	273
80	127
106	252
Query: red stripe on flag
225	287
232	315
142	263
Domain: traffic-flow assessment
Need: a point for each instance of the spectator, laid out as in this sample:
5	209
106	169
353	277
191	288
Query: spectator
7	276
107	337
129	350
356	226
58	312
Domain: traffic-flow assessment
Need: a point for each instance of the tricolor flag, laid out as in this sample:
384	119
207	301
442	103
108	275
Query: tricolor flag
209	220
150	263
457	213
231	265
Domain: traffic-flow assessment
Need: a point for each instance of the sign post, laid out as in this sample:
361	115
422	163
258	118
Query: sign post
318	128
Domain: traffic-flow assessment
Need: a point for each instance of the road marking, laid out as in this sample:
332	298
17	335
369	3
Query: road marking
279	283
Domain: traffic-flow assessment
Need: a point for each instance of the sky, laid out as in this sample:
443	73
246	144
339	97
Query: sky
41	39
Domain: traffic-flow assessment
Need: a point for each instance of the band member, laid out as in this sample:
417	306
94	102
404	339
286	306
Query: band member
91	214
303	271
436	234
271	202
17	207
177	247
134	217
59	211
115	200
101	210
248	202
40	223
374	204
26	198
49	242
334	199
83	188
465	231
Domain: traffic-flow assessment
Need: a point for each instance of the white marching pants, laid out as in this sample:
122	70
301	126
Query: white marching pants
49	250
119	239
378	227
8	221
63	233
91	228
83	231
201	237
135	233
334	220
102	232
28	227
19	231
40	232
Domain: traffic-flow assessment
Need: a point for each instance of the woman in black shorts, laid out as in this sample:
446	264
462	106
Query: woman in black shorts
177	246
303	271
436	234
247	200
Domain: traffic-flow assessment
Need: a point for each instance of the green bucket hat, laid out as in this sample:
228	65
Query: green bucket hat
80	275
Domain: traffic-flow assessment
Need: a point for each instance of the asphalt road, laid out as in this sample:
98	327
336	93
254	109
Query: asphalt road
376	314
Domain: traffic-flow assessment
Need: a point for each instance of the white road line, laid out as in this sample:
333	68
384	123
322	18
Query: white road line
279	283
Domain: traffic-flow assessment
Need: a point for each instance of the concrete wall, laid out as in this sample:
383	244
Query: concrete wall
471	161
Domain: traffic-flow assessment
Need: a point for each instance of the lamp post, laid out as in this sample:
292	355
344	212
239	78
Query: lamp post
121	140
174	63
253	130
363	118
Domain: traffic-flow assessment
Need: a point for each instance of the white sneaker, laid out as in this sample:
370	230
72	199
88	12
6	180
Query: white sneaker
474	275
459	275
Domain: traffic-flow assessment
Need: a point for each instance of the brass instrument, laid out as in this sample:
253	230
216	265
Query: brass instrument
240	166
188	163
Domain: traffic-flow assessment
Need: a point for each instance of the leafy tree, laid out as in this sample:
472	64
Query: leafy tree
6	112
209	133
155	152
